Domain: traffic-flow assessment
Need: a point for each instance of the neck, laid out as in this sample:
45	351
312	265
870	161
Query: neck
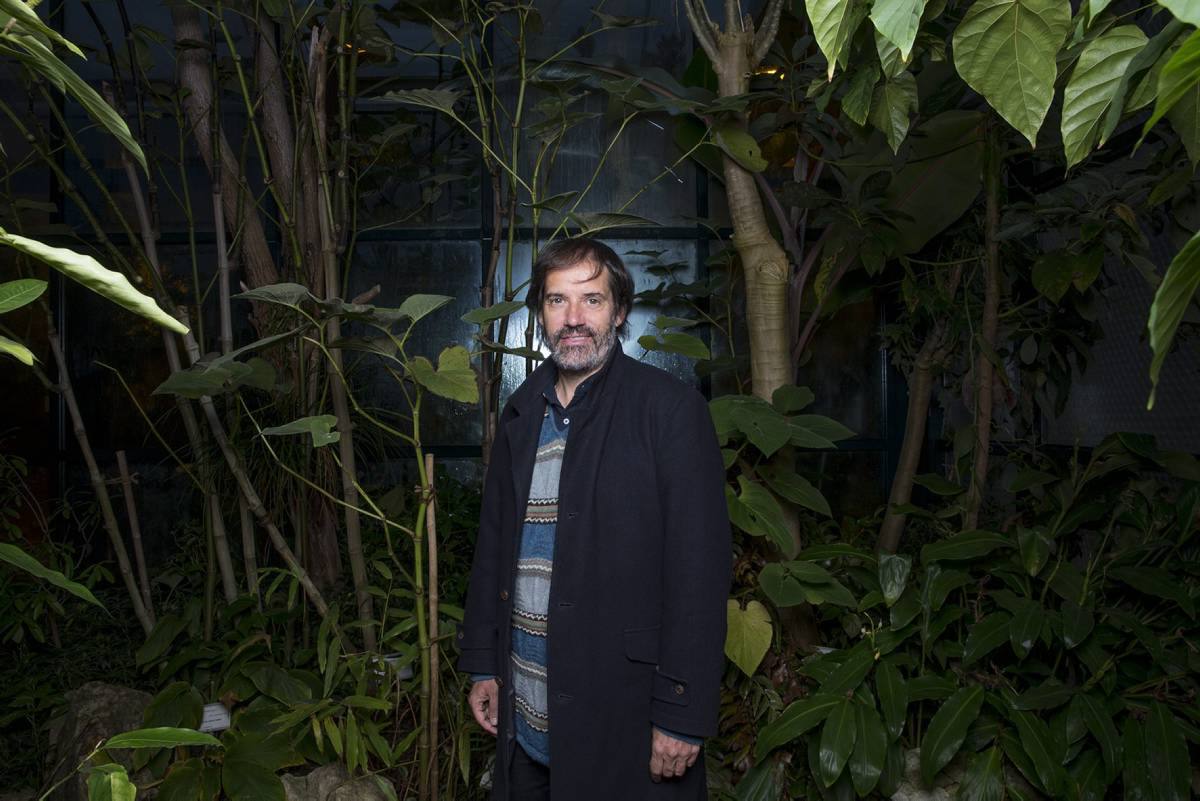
566	384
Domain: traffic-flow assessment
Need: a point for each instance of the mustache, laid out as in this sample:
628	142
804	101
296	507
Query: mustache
571	330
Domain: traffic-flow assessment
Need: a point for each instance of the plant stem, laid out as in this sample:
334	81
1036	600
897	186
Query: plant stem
135	531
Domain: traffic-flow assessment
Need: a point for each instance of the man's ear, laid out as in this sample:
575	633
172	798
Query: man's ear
619	320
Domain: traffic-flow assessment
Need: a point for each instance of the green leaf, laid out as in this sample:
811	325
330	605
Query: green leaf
1178	77
367	702
788	399
939	180
948	729
1086	779
281	294
1168	755
893	576
453	379
766	428
870	750
796	489
800	717
191	780
319	427
275	682
663	322
676	342
161	737
1174	294
1047	696
592	222
27	21
938	485
1139	783
1097	720
897	21
1056	272
817	431
1093	87
834	23
739	146
893	697
1077	623
930	687
493	312
42	60
793	583
1035	548
18	558
986	636
416	307
837	741
1184	117
1184	10
1026	625
856	103
1156	582
442	100
104	282
835	550
748	635
758	513
892	106
984	777
17	351
851	670
965	545
15	294
1006	50
110	783
1042	749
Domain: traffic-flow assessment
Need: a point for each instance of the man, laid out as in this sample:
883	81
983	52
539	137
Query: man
595	618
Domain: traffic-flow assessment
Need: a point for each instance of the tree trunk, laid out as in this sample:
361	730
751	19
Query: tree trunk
984	368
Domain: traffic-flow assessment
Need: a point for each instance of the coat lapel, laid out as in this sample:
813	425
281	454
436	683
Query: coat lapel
523	430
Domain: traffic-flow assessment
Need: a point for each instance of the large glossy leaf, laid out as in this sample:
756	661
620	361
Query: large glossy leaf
101	280
453	379
1035	548
1026	625
1093	87
1174	294
1184	117
676	342
739	146
856	103
1006	50
494	312
1077	623
442	100
766	428
1168	754
892	107
837	741
1097	720
161	737
1045	752
833	24
1178	76
796	582
748	635
1138	782
41	59
800	717
1184	10
870	749
763	782
1049	695
191	780
984	778
1157	582
796	489
893	697
15	294
948	729
18	558
26	21
965	545
755	511
110	783
893	576
897	21
939	180
318	427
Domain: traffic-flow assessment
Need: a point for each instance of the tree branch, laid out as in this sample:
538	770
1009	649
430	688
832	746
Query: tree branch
702	29
766	32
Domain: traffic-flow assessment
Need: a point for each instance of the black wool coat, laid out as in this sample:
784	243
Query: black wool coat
642	563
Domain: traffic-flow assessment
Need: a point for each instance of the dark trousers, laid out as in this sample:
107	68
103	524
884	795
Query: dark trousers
528	780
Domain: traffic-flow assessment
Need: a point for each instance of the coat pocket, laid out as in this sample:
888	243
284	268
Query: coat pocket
641	644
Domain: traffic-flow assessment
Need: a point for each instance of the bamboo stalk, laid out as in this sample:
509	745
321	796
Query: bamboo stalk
143	614
135	531
431	540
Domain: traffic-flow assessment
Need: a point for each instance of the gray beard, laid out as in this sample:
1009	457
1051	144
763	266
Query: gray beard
583	358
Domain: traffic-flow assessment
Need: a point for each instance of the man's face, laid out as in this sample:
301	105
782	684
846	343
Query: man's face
579	317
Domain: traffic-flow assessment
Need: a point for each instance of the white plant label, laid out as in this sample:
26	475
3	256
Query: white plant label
216	718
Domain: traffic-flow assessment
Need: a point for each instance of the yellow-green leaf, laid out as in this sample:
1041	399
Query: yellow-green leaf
748	635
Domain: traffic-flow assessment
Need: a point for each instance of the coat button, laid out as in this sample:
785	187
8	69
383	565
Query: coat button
503	595
679	689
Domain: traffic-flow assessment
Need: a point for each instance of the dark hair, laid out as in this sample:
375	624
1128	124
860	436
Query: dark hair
563	253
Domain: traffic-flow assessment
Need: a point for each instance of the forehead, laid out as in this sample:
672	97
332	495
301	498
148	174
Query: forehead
585	277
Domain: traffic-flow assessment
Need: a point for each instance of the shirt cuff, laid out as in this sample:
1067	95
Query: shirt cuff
687	738
481	676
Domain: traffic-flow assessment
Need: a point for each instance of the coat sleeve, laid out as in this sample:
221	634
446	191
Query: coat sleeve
477	637
697	563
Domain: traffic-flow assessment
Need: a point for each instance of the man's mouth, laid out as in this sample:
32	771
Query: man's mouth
574	339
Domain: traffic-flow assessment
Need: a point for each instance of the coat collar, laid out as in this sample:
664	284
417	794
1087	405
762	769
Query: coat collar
528	400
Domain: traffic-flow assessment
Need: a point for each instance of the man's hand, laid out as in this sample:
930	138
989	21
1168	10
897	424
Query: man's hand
669	758
485	704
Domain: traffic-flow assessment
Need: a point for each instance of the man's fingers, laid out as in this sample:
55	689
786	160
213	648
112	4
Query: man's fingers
691	760
656	767
485	705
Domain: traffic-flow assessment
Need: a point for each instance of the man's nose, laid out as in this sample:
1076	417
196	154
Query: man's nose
574	314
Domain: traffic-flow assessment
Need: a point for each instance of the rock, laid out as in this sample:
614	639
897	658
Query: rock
332	782
95	712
